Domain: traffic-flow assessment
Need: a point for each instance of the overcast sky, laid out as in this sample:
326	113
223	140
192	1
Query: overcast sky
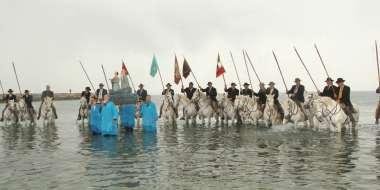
46	38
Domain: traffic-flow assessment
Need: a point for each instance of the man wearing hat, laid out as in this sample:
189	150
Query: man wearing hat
329	90
211	93
297	94
87	94
271	90
246	91
343	98
189	91
142	93
10	96
262	96
28	98
100	93
232	92
171	92
47	93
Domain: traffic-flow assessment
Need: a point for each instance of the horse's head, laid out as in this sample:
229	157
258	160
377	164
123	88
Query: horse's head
83	102
270	100
309	99
12	105
48	103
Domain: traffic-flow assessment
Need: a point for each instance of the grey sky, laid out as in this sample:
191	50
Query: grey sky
46	38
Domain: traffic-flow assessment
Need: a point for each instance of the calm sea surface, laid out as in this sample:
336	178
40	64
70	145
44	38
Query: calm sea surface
191	157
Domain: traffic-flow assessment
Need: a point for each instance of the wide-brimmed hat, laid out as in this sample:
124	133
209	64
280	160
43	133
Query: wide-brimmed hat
233	84
329	79
168	84
297	79
245	84
339	80
26	91
261	83
88	88
101	84
10	90
141	85
209	83
272	83
191	83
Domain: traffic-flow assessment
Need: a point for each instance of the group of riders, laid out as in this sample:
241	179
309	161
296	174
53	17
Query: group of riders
27	98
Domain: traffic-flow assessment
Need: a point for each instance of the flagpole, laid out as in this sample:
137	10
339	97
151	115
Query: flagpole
307	70
279	68
88	78
377	62
246	66
162	82
180	76
2	89
18	83
105	77
233	61
130	78
253	68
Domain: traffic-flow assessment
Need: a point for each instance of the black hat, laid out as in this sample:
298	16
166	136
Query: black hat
329	79
339	80
141	85
26	91
191	83
168	84
297	79
209	83
245	84
272	83
101	84
88	88
10	90
233	84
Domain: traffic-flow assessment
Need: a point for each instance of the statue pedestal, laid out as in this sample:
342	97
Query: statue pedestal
123	96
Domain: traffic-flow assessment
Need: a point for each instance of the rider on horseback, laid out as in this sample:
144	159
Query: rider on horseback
262	95
297	94
10	96
273	91
344	99
246	91
170	91
86	94
28	98
329	90
47	93
211	93
189	91
232	92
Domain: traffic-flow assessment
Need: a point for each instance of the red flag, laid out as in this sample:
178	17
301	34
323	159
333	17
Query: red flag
177	74
186	70
124	71
219	68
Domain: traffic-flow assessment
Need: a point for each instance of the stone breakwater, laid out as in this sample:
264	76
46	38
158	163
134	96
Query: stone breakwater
57	96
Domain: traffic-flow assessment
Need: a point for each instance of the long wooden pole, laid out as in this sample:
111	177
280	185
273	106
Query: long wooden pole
162	82
18	83
279	68
176	63
237	74
377	62
253	68
2	89
105	78
246	66
130	78
88	78
320	58
307	70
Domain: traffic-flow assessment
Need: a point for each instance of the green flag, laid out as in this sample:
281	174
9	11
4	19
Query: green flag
154	67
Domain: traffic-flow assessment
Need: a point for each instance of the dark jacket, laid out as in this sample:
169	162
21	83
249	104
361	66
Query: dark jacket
246	92
87	95
298	96
329	91
262	96
171	91
28	100
47	93
189	92
9	97
104	92
345	99
274	93
232	93
211	93
142	93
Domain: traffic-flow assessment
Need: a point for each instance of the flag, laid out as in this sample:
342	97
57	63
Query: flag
124	71
177	74
186	70
219	68
154	67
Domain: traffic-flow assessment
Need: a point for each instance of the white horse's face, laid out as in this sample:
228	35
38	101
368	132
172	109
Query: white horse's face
270	100
83	101
310	97
12	105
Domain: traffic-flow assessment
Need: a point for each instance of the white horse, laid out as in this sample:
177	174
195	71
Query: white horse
26	114
271	115
228	109
189	107
205	108
168	109
10	114
83	109
47	111
326	110
293	113
249	109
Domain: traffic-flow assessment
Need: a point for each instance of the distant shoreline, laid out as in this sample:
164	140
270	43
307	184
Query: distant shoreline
57	96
